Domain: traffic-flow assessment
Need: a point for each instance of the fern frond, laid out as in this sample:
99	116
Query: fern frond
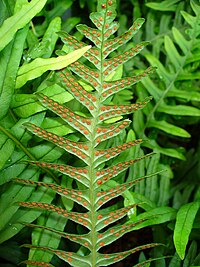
173	98
89	82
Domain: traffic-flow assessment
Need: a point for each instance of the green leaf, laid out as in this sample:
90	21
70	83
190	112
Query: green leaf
168	128
46	238
185	75
12	137
189	18
25	105
195	7
183	226
13	167
19	20
187	95
142	201
10	213
12	216
56	126
40	65
9	62
171	152
191	254
9	205
167	5
151	185
6	148
152	88
161	70
175	261
173	54
70	23
181	110
181	41
156	216
45	48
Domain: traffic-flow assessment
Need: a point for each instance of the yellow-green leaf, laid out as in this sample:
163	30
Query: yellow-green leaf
40	65
183	226
12	24
169	128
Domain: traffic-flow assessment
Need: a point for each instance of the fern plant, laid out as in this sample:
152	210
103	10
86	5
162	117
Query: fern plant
92	83
175	89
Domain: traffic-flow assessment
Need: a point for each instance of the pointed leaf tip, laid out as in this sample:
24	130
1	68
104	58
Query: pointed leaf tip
183	226
39	66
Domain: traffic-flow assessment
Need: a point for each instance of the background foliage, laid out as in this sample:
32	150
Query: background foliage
169	124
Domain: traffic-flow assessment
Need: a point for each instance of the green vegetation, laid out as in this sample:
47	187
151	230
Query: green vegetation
99	133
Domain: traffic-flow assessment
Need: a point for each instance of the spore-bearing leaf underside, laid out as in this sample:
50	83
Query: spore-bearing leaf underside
94	129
